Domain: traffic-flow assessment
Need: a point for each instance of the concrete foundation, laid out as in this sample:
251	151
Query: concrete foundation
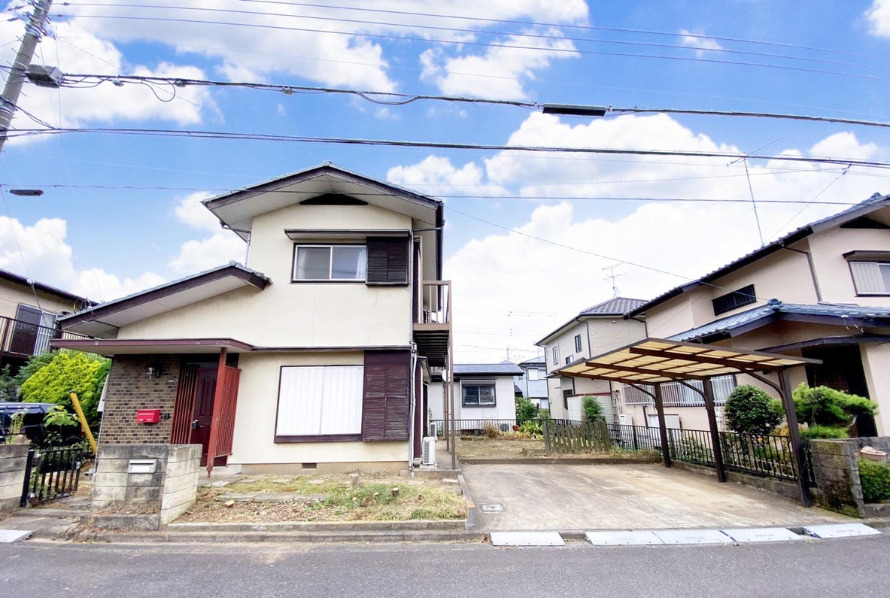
155	481
13	461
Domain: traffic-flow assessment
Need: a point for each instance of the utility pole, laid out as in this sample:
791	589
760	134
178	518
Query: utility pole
17	75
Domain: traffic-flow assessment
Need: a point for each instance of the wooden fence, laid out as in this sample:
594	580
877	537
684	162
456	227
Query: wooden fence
576	437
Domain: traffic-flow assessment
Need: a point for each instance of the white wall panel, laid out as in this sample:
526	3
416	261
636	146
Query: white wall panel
319	400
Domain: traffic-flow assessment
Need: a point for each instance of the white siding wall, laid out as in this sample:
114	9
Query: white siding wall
505	401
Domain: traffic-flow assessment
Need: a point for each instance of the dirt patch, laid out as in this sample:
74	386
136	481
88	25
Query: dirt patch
510	446
329	498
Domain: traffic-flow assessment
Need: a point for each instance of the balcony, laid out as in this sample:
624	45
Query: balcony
432	322
19	340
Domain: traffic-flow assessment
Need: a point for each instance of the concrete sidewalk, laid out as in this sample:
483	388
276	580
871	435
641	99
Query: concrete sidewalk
626	496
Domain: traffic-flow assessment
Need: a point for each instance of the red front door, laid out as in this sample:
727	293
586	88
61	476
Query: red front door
202	418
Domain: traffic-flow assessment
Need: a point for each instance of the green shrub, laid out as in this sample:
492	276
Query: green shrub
749	410
592	409
823	406
525	410
83	373
875	479
814	432
544	414
532	428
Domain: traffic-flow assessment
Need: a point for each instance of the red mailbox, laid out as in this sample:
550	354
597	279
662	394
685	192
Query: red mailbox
148	416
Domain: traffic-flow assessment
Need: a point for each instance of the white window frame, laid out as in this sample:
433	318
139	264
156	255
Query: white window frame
555	353
478	384
868	277
360	276
318	401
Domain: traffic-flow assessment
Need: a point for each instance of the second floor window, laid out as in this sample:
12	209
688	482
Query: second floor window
555	352
330	262
577	343
871	278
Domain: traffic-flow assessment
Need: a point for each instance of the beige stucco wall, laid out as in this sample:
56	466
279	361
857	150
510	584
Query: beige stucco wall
253	442
876	363
11	294
833	271
607	334
287	314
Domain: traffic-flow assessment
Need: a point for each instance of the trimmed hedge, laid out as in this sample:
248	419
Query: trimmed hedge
875	479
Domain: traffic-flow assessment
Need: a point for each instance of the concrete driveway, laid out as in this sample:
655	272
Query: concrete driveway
626	496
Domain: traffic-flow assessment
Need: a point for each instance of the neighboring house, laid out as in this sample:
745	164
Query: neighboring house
594	331
821	291
532	384
314	356
28	312
481	392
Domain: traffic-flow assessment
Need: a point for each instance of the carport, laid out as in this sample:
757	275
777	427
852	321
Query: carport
652	362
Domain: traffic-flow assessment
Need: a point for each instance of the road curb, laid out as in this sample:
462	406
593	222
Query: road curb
553	461
293	537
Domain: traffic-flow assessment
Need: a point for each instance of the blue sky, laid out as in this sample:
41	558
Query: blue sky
98	230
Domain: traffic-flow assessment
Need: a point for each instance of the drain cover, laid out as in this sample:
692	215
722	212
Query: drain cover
493	508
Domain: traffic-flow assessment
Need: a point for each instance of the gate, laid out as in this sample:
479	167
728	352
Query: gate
51	474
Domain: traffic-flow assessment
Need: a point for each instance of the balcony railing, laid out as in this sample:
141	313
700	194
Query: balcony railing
436	302
23	339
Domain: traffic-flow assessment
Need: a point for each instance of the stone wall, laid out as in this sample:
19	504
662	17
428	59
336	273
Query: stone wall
125	499
13	461
837	473
130	389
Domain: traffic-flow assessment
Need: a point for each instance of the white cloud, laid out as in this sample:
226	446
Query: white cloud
220	247
697	39
501	72
878	16
513	289
86	53
435	175
47	257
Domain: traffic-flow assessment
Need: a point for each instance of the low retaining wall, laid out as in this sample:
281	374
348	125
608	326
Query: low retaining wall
837	474
144	486
781	487
13	461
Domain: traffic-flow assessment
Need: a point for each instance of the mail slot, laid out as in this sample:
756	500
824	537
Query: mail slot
148	416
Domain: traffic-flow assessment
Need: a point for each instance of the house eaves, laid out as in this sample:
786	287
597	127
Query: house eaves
872	204
105	319
45	288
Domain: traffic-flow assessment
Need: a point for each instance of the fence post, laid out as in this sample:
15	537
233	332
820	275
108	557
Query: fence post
636	445
546	427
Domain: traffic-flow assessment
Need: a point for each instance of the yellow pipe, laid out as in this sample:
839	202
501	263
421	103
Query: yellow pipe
83	420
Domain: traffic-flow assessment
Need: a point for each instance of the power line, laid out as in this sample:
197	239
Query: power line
528	35
567	51
229	136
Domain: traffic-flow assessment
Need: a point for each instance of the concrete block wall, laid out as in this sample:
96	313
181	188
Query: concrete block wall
163	495
13	461
130	389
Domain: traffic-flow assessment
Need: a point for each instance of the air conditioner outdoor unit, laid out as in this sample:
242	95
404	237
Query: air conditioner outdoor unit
434	429
428	455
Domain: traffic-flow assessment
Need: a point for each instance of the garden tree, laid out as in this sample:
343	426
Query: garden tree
8	386
84	373
749	410
525	410
35	362
823	406
592	409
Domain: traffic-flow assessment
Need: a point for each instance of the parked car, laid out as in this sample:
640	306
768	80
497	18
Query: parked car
33	427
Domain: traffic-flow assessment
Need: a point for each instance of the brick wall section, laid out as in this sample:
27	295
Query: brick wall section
130	389
13	461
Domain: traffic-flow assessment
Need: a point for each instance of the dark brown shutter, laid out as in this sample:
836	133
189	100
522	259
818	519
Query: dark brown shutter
385	403
387	261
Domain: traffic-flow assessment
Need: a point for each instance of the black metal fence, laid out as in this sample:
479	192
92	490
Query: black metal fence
51	474
634	438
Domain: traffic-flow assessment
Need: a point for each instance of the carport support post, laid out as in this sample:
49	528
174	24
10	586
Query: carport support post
715	433
662	426
796	442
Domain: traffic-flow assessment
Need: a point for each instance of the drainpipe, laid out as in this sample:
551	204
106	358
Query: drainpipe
413	403
812	271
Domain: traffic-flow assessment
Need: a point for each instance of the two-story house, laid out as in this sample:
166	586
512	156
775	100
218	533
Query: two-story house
313	356
532	384
595	330
821	291
28	312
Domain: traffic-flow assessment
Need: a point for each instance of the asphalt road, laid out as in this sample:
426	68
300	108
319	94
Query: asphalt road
850	567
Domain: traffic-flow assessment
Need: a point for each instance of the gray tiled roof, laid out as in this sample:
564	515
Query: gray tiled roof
487	369
774	307
617	306
539	360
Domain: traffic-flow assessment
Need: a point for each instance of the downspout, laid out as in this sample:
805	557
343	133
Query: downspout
412	410
812	271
